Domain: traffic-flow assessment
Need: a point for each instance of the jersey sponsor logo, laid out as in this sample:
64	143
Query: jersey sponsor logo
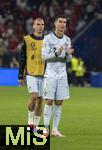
32	46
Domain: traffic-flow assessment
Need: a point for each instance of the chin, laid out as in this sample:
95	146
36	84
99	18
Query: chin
40	32
62	31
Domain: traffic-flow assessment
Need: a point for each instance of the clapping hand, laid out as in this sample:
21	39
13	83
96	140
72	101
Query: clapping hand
59	51
70	51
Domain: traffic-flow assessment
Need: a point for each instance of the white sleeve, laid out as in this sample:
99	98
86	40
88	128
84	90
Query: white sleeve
68	58
47	52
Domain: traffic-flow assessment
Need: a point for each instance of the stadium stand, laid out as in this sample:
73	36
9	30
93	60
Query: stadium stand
16	18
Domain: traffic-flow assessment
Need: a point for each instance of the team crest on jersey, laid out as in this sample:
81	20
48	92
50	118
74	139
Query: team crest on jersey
66	45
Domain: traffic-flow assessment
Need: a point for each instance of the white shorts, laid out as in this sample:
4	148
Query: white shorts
56	89
35	84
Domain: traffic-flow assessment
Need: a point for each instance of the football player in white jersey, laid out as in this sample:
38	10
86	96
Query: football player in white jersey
56	52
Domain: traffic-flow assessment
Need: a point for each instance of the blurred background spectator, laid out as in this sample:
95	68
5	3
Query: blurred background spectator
16	17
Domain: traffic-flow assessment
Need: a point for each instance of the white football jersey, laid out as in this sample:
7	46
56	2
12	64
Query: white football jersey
56	66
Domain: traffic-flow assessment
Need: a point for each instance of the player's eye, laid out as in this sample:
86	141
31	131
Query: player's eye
60	21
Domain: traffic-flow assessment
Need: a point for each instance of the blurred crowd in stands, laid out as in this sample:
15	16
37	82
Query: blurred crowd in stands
16	17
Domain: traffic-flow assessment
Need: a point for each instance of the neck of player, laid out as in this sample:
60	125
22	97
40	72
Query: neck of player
59	33
37	34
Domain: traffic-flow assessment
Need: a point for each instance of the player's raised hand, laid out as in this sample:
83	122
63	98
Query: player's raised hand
70	51
21	82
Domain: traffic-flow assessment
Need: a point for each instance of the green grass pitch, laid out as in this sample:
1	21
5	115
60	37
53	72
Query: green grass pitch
81	120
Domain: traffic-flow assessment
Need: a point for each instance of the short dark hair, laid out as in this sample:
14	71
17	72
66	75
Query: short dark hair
60	16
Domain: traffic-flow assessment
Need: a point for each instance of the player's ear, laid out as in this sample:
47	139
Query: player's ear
55	23
33	25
